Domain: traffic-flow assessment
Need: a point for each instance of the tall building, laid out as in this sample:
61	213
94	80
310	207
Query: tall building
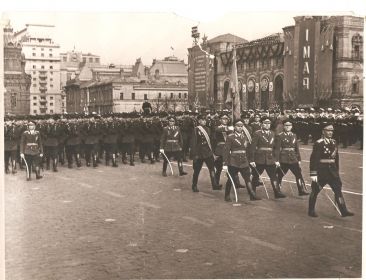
16	81
316	62
42	56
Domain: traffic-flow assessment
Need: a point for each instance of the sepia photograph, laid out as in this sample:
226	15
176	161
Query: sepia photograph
170	143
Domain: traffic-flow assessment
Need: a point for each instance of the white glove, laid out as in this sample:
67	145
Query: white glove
299	162
253	164
22	155
162	151
41	155
277	164
231	128
224	168
314	178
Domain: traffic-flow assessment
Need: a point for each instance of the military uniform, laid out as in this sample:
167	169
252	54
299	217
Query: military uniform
262	153
32	147
324	165
221	133
110	143
73	143
12	135
201	151
91	135
235	154
172	142
287	153
127	137
50	136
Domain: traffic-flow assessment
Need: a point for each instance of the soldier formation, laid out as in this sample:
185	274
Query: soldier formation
259	141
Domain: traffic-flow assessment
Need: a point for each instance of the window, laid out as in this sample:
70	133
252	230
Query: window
51	73
133	96
34	97
355	84
34	85
34	72
33	49
34	104
63	104
42	67
145	96
171	95
51	111
34	111
185	95
64	58
159	95
34	79
42	49
50	54
50	50
42	54
121	96
51	67
63	97
51	79
84	59
13	100
51	104
34	54
51	97
34	67
180	95
97	59
357	45
90	59
43	98
51	85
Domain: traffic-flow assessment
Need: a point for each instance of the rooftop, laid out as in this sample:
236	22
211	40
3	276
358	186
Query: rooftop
227	38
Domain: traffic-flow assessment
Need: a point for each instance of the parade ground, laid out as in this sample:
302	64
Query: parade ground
132	223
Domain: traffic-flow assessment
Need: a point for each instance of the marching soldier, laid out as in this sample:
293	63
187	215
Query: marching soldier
12	135
324	169
127	142
110	142
171	145
287	153
262	156
31	150
91	141
256	124
235	158
201	151
221	133
50	141
73	143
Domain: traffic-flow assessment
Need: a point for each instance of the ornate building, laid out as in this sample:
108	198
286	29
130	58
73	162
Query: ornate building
316	62
16	81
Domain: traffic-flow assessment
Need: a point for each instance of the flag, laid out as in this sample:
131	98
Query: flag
234	87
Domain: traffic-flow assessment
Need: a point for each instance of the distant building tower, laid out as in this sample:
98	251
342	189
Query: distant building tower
42	57
16	81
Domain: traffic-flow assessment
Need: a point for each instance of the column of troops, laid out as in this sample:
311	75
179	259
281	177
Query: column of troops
258	141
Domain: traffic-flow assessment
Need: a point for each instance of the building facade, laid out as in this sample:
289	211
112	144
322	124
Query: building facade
316	62
42	56
16	81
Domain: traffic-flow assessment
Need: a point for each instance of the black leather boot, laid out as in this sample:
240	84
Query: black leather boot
194	182
165	165
301	187
215	185
180	167
38	173
13	167
312	200
227	191
342	206
251	192
55	165
276	189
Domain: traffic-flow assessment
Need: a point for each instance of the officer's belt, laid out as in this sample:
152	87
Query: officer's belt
219	143
327	161
32	144
173	141
239	152
288	149
265	149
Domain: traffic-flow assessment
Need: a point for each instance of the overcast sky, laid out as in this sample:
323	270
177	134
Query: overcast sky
121	37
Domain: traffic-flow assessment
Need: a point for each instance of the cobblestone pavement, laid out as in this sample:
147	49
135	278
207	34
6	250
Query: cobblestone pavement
130	222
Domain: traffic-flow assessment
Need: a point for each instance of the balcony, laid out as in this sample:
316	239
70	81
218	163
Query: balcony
43	102
42	76
42	88
43	106
43	82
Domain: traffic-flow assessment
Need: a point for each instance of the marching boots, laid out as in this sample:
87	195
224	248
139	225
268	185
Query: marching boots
217	176
237	182
29	173
95	162
227	191
180	167
13	167
301	187
277	190
132	159
194	188
251	192
78	161
114	162
48	163
124	158
107	160
194	182
38	173
312	201
215	185
55	165
165	165
342	206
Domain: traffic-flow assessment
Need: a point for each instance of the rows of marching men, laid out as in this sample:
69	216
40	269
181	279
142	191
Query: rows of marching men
257	142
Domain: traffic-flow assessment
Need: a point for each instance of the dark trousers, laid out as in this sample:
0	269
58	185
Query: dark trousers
127	149
176	155
197	166
34	162
244	172
110	151
91	151
73	151
219	162
293	167
270	169
51	153
146	149
10	155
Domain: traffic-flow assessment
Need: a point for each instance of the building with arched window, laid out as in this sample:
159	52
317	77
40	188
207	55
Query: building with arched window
318	61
